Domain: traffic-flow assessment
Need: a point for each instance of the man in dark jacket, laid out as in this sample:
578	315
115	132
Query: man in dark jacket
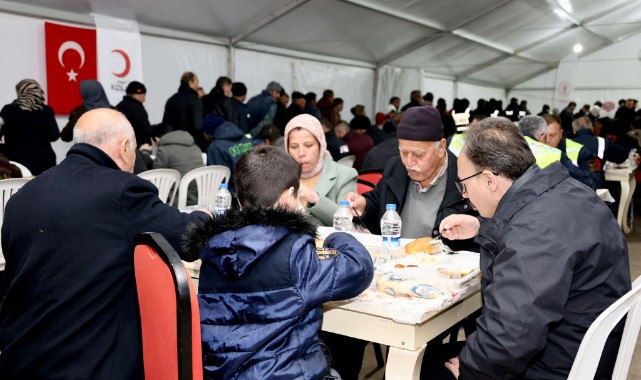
336	146
184	110
71	308
237	101
262	107
416	100
547	273
132	107
421	182
229	143
217	102
297	107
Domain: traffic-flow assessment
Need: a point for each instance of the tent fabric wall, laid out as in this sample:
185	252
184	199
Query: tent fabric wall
474	92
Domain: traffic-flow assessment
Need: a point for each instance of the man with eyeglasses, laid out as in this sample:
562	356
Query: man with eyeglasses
420	182
552	256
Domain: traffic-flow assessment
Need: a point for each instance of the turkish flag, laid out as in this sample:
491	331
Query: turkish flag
71	57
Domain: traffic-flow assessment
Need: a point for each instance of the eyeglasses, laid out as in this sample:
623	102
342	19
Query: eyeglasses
460	186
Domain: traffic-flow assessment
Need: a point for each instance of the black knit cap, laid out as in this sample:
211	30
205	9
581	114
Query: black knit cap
420	124
136	88
360	122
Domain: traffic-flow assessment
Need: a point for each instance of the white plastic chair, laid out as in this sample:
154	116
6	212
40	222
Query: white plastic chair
208	179
166	180
23	169
8	187
347	161
587	358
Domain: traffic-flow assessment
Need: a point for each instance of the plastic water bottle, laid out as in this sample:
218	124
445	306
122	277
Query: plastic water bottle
343	217
391	227
223	199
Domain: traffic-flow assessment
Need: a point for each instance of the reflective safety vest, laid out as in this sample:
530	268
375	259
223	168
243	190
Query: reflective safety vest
572	149
543	153
457	142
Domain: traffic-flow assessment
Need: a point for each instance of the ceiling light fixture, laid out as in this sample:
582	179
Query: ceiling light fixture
565	4
577	48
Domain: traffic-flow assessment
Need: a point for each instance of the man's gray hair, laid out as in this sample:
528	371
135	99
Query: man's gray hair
342	126
581	123
533	125
107	132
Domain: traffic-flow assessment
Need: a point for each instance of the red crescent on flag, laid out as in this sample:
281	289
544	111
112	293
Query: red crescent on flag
127	63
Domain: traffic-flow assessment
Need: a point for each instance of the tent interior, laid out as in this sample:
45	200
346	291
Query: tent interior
365	50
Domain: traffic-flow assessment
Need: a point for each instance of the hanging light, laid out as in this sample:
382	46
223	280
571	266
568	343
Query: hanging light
577	48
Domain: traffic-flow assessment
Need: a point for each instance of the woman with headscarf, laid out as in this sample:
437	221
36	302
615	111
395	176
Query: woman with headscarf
93	96
324	183
29	128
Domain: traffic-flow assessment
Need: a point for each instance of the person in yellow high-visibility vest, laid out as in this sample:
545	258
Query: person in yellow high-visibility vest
576	152
534	129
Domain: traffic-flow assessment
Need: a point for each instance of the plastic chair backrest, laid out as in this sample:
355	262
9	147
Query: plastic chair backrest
589	354
166	180
8	187
169	315
208	180
23	169
347	161
372	176
363	186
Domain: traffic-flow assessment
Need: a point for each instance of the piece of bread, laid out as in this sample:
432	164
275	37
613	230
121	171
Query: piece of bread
424	245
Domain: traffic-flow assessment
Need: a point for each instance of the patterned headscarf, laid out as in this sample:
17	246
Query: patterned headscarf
30	95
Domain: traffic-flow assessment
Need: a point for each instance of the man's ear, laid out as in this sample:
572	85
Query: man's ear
491	180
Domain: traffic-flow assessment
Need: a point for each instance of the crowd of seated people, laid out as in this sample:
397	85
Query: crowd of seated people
282	150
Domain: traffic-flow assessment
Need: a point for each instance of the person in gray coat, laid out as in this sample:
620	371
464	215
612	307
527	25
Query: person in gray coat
177	150
553	259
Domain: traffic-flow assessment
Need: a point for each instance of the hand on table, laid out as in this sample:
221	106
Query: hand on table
356	202
453	366
459	226
307	194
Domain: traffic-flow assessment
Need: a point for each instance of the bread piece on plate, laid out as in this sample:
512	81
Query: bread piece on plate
424	245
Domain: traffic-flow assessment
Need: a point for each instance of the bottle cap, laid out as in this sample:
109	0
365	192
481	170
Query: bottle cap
344	203
223	186
390	206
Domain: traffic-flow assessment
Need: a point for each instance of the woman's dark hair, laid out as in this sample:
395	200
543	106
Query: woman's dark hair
263	174
496	144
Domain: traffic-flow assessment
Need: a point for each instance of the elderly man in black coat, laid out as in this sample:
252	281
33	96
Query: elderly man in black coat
70	309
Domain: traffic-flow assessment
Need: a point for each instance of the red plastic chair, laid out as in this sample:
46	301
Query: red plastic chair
363	186
371	175
169	314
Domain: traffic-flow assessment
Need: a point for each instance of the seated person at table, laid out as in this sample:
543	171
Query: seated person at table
551	263
324	183
262	282
71	309
421	182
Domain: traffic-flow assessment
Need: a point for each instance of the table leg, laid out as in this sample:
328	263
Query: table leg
404	364
627	189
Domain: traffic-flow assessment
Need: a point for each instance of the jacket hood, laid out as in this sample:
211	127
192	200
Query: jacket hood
93	95
234	242
228	131
177	138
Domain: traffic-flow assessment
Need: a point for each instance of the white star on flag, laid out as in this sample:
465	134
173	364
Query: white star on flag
72	75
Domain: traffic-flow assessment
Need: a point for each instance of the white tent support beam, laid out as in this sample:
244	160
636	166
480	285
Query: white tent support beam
409	48
510	86
581	23
255	25
425	41
482	66
260	48
87	20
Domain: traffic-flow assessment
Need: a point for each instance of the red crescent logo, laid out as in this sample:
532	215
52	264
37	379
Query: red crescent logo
124	55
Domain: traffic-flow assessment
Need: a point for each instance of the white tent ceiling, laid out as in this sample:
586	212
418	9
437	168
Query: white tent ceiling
496	42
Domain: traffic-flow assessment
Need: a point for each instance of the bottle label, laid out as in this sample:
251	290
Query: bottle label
392	241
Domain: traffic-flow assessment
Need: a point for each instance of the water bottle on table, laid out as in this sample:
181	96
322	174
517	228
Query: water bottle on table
391	227
223	199
343	217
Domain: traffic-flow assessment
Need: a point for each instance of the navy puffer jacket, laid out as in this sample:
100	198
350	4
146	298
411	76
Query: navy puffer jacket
262	286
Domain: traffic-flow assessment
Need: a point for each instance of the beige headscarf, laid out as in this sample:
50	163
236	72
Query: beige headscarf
313	126
30	95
